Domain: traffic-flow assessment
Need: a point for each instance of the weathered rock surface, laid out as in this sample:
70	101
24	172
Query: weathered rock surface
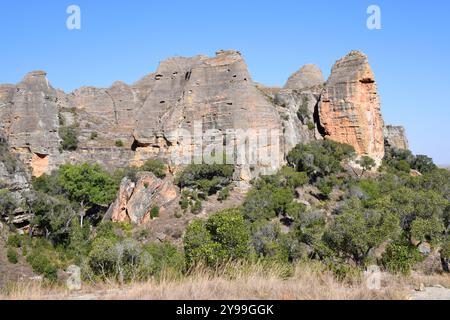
29	118
349	109
213	93
127	124
136	200
395	137
308	76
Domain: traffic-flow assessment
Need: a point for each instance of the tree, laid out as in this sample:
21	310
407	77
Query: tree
423	164
224	236
7	203
69	136
207	178
87	185
319	158
353	233
366	163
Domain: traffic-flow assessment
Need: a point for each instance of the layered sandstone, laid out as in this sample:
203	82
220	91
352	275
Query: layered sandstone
308	76
29	119
349	109
215	94
135	200
395	137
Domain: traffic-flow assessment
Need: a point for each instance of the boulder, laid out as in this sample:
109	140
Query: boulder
74	283
136	200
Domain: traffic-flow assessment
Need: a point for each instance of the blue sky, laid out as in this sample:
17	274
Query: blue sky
124	40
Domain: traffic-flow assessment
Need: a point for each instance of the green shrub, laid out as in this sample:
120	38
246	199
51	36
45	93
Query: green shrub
319	158
223	237
154	212
206	178
266	202
427	230
157	258
157	167
399	258
7	203
69	137
14	241
352	234
311	125
11	254
366	163
223	194
43	264
119	143
94	135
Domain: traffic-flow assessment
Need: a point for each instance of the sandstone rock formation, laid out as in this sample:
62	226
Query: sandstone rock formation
127	124
29	118
349	109
308	76
395	137
135	200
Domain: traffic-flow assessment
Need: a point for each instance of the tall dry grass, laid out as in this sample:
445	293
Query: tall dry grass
308	281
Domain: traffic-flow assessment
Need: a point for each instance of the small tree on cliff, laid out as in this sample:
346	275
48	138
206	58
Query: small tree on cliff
366	163
87	185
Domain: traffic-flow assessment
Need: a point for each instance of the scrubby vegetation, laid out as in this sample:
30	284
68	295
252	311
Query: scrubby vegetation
314	209
198	181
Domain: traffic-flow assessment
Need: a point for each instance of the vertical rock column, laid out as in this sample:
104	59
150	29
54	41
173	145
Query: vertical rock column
349	109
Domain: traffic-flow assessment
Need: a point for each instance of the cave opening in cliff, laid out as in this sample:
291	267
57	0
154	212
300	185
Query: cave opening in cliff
316	119
367	80
136	145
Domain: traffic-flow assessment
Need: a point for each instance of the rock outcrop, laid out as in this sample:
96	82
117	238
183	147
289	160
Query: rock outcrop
349	109
29	118
127	124
395	137
135	200
308	76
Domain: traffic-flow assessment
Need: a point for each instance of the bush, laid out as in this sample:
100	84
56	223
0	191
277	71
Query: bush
43	264
268	241
157	167
158	258
94	135
223	194
154	212
7	203
399	258
367	163
353	234
427	230
266	202
223	237
206	178
14	241
319	158
69	136
119	143
11	254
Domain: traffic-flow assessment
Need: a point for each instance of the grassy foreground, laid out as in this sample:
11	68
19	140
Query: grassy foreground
307	281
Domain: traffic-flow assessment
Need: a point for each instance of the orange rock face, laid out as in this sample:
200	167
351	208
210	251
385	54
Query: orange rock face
349	109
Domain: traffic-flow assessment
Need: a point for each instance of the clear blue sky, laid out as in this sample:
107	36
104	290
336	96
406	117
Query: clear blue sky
124	40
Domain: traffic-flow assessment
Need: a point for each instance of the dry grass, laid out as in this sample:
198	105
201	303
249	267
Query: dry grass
306	281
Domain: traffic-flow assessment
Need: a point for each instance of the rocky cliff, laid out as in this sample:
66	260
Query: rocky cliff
395	137
349	109
128	124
